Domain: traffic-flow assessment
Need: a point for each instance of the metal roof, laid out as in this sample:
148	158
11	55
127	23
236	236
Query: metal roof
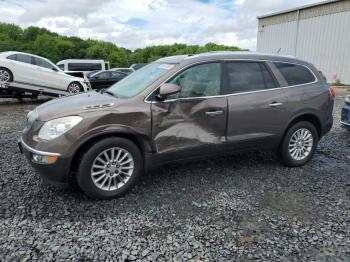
300	8
227	55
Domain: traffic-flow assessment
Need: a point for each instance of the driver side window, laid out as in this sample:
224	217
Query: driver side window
198	81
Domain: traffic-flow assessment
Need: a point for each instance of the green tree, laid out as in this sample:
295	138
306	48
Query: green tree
41	41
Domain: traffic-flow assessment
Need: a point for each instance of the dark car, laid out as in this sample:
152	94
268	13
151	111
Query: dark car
104	79
124	70
180	108
92	73
137	66
345	113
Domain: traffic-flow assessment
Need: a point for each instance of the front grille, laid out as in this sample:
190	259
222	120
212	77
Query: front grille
345	115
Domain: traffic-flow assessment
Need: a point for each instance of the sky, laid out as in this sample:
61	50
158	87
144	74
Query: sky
138	23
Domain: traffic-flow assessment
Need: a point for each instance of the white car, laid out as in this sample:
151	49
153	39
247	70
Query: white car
39	72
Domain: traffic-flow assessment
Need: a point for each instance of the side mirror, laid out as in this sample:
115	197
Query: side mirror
167	90
54	69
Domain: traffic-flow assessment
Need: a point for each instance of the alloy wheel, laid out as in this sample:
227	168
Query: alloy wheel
300	144
112	168
4	75
74	88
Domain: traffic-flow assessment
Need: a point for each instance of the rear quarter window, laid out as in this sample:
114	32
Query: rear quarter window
295	74
12	57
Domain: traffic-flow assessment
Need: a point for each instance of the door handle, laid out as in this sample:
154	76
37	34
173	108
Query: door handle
274	104
214	113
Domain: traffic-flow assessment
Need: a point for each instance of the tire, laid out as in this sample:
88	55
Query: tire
5	75
100	181
75	88
289	154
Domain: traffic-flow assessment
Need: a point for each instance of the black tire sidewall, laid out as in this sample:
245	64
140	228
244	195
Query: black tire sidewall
84	179
284	149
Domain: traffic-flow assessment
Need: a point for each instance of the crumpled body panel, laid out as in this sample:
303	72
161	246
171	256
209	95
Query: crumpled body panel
184	125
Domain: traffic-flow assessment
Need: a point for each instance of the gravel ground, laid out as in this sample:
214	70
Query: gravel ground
242	207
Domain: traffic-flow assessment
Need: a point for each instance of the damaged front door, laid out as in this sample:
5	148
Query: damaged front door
192	122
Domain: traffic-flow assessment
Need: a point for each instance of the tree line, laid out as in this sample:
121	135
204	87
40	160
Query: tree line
42	42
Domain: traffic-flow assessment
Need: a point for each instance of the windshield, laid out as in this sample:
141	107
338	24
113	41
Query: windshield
138	81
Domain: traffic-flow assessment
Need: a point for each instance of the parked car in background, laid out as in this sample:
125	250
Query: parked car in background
38	71
79	67
126	70
345	113
137	66
104	79
178	108
92	73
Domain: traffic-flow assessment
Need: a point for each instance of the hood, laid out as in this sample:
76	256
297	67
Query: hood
74	105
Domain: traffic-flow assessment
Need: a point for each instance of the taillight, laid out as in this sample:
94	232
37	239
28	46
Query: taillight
332	91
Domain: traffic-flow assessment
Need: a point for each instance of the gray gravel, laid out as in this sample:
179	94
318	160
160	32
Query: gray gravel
242	207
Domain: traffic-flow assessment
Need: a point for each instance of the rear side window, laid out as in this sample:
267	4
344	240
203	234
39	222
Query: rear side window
295	74
247	76
24	58
84	66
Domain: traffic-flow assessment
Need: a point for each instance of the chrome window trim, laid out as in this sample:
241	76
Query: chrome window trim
38	152
235	94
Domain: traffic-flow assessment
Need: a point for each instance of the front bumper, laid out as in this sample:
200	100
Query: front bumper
87	85
56	173
345	116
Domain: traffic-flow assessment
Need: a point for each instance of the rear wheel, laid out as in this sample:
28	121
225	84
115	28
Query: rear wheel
75	88
299	144
5	75
110	168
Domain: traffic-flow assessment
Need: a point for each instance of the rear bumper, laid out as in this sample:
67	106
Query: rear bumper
55	174
327	126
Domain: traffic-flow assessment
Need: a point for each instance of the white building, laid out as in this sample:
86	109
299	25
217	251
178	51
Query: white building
318	33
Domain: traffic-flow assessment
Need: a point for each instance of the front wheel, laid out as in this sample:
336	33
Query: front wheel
110	168
75	88
299	144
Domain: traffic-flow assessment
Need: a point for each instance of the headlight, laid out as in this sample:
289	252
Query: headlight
54	128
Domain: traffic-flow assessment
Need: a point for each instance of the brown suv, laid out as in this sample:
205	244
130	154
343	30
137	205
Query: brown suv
178	108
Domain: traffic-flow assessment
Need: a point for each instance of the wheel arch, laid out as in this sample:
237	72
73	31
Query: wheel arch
140	141
309	117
